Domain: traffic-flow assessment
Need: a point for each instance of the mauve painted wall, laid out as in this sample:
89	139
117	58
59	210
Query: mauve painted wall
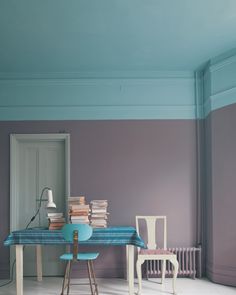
221	259
141	167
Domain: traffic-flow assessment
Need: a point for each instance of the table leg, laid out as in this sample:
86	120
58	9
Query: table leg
39	263
131	268
19	269
127	263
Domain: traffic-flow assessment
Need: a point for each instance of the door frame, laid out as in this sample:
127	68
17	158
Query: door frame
15	139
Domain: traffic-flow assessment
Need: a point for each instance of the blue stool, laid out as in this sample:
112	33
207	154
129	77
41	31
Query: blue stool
75	233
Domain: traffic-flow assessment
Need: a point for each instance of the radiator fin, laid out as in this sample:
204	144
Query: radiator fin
189	263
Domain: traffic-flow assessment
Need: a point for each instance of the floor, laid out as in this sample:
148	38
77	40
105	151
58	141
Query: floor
52	286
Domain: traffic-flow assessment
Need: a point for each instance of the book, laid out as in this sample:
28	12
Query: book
98	223
78	207
79	211
56	224
55	214
99	213
95	217
56	220
99	202
80	200
99	210
79	217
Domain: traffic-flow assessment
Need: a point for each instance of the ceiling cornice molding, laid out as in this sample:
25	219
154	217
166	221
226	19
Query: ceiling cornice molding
218	65
219	100
99	75
166	112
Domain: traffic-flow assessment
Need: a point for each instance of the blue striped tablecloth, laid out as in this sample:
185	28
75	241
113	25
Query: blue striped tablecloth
120	235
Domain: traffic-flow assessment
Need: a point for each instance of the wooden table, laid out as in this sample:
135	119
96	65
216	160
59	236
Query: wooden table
118	236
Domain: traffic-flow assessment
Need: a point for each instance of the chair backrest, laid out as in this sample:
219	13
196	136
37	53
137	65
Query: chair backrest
76	233
151	222
84	232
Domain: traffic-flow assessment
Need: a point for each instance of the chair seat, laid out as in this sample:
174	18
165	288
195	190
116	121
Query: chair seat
155	252
80	256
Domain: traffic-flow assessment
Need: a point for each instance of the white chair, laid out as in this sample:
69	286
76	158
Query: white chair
154	253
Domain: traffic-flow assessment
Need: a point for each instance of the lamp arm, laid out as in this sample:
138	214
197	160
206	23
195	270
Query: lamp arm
40	204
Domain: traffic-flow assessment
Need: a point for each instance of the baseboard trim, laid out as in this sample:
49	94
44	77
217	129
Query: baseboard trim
4	272
221	274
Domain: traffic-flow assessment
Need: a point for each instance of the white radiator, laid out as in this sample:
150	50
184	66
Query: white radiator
189	263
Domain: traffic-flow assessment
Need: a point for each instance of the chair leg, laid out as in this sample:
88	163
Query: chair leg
176	268
147	273
90	277
163	272
94	277
139	275
65	278
69	273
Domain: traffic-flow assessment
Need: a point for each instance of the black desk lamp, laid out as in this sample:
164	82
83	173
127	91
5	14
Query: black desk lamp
50	203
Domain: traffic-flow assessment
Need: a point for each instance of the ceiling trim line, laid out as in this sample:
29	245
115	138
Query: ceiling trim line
97	74
184	112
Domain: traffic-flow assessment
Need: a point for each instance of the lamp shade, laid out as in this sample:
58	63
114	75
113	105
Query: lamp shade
50	203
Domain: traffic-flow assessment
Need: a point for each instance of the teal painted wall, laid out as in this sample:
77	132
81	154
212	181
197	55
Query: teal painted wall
165	97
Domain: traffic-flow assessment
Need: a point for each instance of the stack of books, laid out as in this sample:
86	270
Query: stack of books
99	213
56	221
78	210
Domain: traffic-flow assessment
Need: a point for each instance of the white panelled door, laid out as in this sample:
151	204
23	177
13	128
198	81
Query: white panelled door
39	161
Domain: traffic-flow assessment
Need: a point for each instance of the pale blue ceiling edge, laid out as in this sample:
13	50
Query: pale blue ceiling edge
98	113
98	74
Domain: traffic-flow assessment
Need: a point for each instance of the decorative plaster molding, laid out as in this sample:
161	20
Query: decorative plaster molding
214	101
97	99
207	107
199	76
96	112
221	61
220	100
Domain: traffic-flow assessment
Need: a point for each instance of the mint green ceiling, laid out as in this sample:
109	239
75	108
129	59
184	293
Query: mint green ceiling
113	35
